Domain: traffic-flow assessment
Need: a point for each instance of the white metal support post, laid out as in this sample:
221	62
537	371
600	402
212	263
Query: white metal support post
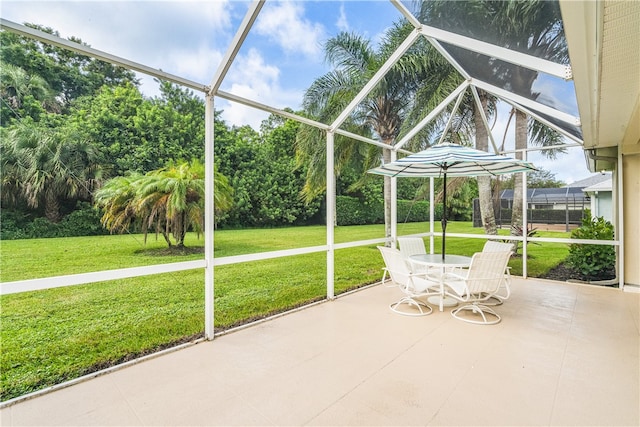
525	209
619	227
394	204
431	213
208	217
331	204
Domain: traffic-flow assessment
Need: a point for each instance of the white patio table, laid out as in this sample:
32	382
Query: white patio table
449	262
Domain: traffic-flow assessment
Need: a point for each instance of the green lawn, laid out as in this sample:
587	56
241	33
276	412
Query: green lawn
54	335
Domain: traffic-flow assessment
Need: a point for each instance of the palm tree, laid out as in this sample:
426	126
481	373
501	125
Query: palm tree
467	18
44	167
382	112
168	200
19	90
533	26
117	198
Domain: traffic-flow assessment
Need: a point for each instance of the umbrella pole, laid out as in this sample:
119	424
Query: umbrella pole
444	212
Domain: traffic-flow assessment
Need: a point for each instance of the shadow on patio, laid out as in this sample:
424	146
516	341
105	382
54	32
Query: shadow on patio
564	354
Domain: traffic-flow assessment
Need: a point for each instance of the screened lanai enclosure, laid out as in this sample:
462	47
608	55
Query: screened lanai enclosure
565	206
469	74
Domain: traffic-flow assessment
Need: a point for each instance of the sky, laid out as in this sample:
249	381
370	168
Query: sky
282	56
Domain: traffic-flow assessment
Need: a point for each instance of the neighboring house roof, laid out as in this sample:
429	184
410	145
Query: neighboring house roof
592	180
571	193
605	185
550	195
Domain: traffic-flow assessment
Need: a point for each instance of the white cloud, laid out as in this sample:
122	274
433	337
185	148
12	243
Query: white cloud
556	93
199	64
284	23
252	78
569	167
342	23
147	32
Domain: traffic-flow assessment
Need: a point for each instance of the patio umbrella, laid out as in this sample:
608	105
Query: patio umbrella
452	160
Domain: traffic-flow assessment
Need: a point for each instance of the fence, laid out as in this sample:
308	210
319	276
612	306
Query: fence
544	206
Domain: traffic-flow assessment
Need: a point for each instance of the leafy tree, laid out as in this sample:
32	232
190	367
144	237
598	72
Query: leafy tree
540	178
263	173
70	75
43	167
110	119
138	134
170	201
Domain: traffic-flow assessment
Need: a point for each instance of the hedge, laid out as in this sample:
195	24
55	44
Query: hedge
353	211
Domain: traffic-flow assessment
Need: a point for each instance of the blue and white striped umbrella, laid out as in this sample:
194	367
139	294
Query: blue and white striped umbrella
452	160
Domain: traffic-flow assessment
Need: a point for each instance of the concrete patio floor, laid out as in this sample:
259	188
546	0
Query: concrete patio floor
564	354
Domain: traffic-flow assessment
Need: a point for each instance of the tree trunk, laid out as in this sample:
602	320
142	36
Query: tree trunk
167	238
521	143
484	182
52	207
386	155
179	230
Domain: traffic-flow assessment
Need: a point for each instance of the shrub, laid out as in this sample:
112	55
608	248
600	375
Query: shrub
84	221
593	261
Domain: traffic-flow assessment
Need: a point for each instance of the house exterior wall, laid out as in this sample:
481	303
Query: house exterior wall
602	205
630	148
631	197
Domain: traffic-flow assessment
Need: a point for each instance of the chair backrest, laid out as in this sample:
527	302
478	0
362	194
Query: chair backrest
400	273
411	246
494	246
396	265
487	271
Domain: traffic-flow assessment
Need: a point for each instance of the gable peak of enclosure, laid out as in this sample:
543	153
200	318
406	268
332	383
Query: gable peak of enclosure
523	63
489	49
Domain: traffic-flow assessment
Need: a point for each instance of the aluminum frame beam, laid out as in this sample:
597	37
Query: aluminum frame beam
263	107
97	276
544	121
508	55
249	18
98	54
483	114
331	212
432	115
453	111
526	102
442	51
406	13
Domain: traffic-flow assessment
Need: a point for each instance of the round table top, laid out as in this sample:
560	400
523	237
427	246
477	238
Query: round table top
436	260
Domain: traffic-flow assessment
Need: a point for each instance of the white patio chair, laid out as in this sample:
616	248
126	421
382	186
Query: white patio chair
494	246
413	246
477	285
412	285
